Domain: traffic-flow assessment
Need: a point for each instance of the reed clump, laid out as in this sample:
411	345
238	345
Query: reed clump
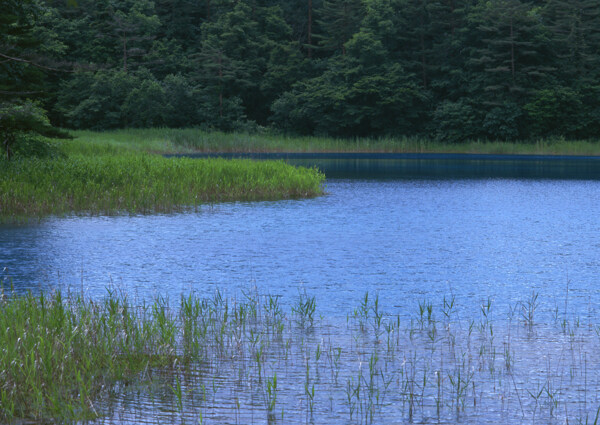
58	355
142	183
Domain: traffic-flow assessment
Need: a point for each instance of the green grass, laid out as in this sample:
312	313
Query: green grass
104	177
195	140
142	183
115	171
58	355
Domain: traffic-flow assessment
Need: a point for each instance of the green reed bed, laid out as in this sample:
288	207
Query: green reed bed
59	355
196	140
142	183
256	358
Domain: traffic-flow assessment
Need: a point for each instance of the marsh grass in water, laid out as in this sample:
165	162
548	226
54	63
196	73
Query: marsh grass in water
196	140
249	359
59	355
142	183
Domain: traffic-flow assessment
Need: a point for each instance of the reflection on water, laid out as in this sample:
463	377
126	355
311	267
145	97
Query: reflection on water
438	166
455	169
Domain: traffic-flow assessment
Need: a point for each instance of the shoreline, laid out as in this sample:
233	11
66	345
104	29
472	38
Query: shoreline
195	141
142	183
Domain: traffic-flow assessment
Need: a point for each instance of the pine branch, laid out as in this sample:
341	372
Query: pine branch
37	65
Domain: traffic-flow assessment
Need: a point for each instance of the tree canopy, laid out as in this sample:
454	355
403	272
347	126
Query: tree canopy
450	69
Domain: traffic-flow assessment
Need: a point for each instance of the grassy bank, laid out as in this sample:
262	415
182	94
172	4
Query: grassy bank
142	183
258	358
194	140
102	177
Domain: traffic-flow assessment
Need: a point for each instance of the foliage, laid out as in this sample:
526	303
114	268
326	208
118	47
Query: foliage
359	94
340	19
339	67
27	44
554	112
18	121
146	106
502	122
455	121
100	100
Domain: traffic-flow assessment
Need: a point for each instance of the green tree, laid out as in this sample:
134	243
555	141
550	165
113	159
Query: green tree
338	21
359	94
180	20
111	32
19	119
134	23
146	106
246	54
507	59
27	50
285	63
448	39
166	56
554	111
456	121
217	76
94	101
182	106
574	28
415	37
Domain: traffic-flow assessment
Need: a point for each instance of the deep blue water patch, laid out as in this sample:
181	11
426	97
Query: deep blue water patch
437	166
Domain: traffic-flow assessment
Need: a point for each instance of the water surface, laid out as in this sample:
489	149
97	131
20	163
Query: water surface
407	239
486	232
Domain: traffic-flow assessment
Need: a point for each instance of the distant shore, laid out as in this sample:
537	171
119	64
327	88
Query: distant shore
186	141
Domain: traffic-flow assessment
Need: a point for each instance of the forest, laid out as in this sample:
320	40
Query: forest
451	70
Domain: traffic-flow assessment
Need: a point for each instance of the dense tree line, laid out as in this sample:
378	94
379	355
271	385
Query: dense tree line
453	69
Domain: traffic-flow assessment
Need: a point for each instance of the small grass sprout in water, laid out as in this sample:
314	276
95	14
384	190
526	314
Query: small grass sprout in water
271	397
304	310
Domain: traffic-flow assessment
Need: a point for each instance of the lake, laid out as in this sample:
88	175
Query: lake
410	231
406	237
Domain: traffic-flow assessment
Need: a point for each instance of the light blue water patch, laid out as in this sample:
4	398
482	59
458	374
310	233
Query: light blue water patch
406	240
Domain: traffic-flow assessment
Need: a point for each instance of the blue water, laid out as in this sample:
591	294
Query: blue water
407	230
406	239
